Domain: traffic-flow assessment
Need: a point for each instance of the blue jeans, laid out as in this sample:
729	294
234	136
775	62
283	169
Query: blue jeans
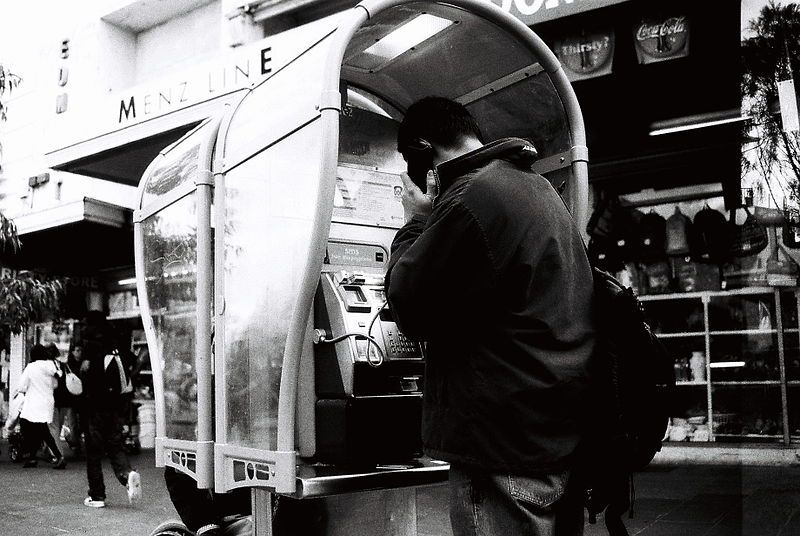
487	504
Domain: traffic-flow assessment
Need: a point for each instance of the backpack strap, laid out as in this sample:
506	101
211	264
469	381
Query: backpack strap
114	356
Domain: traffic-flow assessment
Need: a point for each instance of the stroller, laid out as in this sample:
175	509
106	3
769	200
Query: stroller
14	444
12	425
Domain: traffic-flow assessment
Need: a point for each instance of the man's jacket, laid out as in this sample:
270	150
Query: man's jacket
498	283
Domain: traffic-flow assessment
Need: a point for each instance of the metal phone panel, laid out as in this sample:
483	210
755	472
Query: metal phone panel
277	107
265	227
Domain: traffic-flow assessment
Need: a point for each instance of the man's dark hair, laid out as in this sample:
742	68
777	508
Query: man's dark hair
436	120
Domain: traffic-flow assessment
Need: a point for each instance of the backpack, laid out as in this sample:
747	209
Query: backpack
629	403
678	233
711	229
124	380
652	236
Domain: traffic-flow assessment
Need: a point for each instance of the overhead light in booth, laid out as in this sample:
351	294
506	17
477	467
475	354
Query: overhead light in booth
727	364
128	281
693	122
400	40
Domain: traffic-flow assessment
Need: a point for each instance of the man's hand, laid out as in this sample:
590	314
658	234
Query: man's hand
416	203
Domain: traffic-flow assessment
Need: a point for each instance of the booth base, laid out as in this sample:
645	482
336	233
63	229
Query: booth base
336	501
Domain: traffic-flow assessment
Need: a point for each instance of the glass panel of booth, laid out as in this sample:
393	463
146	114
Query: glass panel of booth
529	109
170	246
174	169
269	205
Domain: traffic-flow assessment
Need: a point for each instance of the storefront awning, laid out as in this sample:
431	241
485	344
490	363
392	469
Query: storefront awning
81	236
86	209
122	155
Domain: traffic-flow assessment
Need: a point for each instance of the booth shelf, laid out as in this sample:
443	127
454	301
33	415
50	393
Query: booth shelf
319	480
742	314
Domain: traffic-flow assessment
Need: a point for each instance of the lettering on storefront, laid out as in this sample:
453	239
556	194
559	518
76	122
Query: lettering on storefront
196	87
535	11
84	282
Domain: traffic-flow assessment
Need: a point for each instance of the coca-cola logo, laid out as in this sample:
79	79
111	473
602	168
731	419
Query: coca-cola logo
663	38
671	26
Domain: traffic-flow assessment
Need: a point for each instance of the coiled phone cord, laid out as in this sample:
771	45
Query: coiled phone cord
370	339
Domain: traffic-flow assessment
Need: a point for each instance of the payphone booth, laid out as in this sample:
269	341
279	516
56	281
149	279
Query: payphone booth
262	239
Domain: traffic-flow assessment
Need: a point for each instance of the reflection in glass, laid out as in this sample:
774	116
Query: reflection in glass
172	171
269	206
170	244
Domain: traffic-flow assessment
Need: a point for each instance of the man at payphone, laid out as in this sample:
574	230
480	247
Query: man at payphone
490	270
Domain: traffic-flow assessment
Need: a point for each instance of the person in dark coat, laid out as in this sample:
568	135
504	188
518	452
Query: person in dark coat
104	378
491	271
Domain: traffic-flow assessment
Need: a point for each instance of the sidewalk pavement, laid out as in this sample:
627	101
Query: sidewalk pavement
43	501
671	500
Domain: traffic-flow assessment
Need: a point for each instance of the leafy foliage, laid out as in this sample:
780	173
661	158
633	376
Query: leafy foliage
24	298
770	56
8	81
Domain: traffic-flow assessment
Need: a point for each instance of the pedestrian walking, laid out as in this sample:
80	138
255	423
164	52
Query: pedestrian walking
38	381
65	422
104	383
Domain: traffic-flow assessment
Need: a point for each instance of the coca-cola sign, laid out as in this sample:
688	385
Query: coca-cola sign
586	55
662	39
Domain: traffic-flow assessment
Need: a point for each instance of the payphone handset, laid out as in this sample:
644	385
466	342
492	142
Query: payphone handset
418	154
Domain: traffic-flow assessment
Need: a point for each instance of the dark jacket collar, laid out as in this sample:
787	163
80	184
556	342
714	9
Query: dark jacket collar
515	150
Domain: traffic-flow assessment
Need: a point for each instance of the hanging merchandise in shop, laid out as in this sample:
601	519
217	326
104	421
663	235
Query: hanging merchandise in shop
586	55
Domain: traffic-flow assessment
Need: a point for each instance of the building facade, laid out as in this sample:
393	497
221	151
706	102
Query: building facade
108	84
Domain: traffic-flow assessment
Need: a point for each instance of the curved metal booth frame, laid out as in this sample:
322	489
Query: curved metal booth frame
238	220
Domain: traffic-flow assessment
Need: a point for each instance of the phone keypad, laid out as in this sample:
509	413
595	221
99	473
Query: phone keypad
400	345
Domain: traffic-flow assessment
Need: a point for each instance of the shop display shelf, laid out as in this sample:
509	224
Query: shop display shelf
745	332
745	383
713	334
125	315
680	334
748	436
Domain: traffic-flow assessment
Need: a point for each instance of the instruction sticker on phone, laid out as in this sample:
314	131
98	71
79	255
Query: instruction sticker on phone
368	197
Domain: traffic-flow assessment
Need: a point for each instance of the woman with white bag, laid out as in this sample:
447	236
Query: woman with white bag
38	381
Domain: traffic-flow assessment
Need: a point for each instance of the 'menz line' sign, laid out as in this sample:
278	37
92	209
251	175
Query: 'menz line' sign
198	85
234	69
536	11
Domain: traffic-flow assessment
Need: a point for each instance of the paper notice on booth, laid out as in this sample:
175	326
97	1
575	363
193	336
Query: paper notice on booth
788	102
368	197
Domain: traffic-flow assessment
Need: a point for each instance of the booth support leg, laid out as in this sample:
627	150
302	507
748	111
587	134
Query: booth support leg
261	501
